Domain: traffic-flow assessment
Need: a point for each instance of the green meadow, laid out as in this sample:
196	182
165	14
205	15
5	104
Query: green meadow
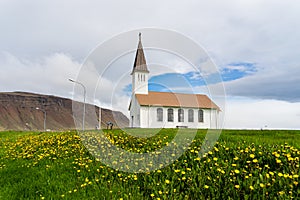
243	164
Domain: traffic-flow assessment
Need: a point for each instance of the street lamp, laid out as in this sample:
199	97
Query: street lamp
84	94
45	116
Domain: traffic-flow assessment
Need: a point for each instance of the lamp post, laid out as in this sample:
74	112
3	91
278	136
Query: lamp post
45	116
84	94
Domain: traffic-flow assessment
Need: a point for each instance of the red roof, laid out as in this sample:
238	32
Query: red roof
176	100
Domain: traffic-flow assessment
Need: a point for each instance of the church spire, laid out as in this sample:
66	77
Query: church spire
140	61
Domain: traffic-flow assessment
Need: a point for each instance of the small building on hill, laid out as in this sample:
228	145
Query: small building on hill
149	109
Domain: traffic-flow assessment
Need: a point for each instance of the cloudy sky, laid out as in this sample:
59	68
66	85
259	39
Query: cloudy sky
255	45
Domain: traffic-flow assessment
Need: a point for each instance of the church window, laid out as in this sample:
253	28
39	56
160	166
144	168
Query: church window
200	116
180	115
159	114
170	115
191	115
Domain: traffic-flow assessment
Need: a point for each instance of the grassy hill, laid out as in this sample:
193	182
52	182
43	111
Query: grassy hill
243	164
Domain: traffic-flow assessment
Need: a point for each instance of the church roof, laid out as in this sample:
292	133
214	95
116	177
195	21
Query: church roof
176	100
140	61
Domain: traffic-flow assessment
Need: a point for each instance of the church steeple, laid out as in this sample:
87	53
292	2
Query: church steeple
140	61
140	71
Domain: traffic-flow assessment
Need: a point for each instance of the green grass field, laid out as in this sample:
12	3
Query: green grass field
243	164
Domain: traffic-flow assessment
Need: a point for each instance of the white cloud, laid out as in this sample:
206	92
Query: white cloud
268	84
48	75
256	114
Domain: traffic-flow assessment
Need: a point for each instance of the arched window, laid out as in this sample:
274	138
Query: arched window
191	115
200	116
159	114
170	115
180	115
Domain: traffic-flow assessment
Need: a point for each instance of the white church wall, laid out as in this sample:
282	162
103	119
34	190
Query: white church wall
134	120
149	118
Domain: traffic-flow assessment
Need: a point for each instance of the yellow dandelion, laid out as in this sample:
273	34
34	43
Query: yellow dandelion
167	181
295	176
261	185
206	186
295	183
237	186
255	160
252	155
237	171
251	187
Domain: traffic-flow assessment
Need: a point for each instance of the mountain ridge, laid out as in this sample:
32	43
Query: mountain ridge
18	112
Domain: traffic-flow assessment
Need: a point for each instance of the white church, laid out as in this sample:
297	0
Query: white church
149	109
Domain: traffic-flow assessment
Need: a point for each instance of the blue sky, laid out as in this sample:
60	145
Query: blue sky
168	82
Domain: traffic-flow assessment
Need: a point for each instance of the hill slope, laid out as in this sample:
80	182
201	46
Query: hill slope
18	112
